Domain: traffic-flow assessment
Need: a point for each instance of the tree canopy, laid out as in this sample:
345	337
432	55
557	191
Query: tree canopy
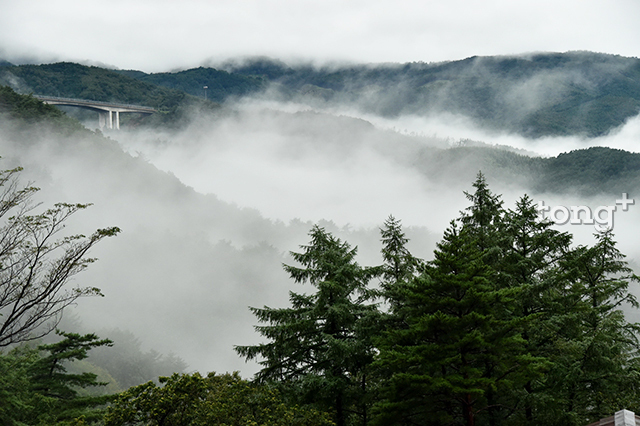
508	324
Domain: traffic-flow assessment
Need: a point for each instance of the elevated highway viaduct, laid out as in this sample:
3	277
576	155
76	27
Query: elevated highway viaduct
108	112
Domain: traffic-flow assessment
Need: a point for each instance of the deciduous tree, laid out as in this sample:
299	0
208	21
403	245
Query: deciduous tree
36	264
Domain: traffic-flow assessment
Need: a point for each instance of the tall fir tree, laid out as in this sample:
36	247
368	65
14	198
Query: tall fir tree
600	369
318	345
483	217
532	252
399	265
459	344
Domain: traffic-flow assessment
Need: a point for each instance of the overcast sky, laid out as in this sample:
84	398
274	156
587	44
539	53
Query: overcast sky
161	35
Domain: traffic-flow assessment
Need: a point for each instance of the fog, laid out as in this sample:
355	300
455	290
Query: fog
455	128
210	212
161	35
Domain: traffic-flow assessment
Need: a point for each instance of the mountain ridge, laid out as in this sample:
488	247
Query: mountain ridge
535	95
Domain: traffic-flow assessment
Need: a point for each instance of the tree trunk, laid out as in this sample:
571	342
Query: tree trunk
528	409
339	411
467	411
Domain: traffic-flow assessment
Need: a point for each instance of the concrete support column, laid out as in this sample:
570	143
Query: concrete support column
110	123
118	120
102	119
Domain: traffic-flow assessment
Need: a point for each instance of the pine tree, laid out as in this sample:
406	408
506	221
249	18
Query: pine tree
57	391
317	344
483	217
602	372
399	265
459	342
532	252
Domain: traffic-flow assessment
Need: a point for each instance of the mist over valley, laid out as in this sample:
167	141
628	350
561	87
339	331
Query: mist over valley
212	194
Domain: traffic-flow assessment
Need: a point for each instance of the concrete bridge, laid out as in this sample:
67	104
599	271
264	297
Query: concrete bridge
108	112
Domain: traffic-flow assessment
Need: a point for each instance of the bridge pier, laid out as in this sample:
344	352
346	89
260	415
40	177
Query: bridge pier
106	119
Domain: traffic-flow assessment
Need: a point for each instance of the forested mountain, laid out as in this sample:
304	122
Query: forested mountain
505	333
534	95
70	80
586	172
575	93
220	84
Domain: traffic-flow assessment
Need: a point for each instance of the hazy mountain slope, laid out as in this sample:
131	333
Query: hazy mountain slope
72	80
586	172
575	93
220	84
547	94
187	264
177	258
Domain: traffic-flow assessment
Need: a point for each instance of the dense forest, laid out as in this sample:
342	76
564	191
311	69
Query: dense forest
534	95
509	322
545	94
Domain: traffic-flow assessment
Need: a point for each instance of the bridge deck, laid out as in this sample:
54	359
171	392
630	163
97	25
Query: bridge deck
95	104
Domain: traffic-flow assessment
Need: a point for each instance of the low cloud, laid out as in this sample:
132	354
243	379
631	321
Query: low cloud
209	213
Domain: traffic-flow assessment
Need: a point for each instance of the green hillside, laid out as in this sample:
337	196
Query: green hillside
78	81
547	94
220	84
27	110
587	171
72	80
576	93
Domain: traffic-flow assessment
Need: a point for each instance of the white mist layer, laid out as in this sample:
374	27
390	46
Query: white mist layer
186	267
285	174
255	162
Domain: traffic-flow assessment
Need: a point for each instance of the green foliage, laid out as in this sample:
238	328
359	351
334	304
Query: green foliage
35	264
507	325
36	388
399	265
600	375
220	84
537	95
510	325
58	390
226	399
16	398
317	345
461	347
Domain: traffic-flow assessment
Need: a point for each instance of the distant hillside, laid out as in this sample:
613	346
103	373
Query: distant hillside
220	84
27	110
587	172
546	94
72	80
78	81
576	93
